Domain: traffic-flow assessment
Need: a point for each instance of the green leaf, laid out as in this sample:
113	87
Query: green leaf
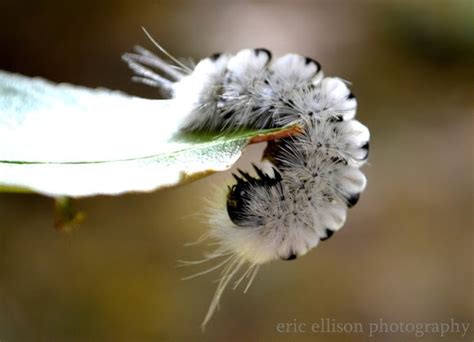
65	140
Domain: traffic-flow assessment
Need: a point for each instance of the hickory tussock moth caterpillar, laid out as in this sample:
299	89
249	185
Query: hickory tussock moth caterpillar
299	194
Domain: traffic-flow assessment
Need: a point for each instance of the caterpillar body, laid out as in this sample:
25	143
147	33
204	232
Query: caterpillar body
298	195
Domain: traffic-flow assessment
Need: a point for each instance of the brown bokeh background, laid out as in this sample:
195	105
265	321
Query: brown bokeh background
405	253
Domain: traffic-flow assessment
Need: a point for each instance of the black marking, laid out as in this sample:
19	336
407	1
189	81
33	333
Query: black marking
365	147
228	114
329	233
292	256
336	118
246	176
327	196
350	96
288	103
259	172
352	200
263	50
309	60
241	193
277	175
215	56
338	160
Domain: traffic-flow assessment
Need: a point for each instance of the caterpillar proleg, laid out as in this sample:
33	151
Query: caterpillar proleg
298	195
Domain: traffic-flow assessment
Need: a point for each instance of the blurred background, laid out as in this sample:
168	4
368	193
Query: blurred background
405	253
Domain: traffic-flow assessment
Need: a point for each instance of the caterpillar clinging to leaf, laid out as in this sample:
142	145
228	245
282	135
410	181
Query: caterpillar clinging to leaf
298	195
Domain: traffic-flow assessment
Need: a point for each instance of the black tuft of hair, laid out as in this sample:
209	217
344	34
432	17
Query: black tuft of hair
292	256
352	200
240	194
263	50
215	56
329	233
309	60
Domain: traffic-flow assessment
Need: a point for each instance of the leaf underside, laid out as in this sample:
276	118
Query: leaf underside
64	140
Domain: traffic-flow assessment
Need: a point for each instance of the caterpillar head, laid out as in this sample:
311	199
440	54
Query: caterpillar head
258	210
265	219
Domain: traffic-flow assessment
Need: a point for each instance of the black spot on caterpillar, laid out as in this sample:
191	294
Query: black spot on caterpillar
352	200
215	56
329	233
292	256
265	51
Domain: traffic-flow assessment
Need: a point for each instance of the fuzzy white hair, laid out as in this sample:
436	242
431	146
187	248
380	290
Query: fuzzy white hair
284	212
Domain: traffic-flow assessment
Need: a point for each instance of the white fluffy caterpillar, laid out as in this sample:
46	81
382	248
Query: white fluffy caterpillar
314	177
